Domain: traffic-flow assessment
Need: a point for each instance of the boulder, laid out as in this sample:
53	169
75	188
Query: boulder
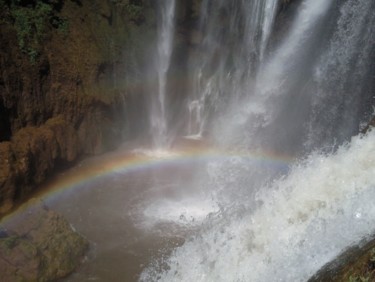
38	244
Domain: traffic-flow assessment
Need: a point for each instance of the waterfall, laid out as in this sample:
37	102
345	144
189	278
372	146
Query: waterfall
280	81
159	115
342	75
302	98
221	66
306	91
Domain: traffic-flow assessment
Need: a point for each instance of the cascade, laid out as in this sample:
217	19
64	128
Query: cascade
221	66
301	97
281	82
303	221
158	115
342	77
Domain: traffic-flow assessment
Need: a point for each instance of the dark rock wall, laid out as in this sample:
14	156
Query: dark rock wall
70	91
356	264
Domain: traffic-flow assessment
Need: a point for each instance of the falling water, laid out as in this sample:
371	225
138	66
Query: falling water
221	66
164	52
342	75
303	96
306	93
280	95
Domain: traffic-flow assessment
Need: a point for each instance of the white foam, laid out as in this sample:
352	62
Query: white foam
193	137
155	153
186	211
304	221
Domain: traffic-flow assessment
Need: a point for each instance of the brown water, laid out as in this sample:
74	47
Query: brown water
131	217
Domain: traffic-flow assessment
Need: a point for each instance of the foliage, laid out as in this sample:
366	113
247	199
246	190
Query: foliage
9	242
372	255
32	22
134	11
61	24
358	279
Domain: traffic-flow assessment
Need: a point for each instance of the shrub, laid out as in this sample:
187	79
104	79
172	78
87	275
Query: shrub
32	21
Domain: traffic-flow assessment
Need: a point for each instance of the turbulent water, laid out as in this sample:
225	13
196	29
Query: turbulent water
299	89
301	222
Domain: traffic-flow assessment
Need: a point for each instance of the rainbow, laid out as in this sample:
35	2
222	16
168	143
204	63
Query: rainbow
124	162
127	162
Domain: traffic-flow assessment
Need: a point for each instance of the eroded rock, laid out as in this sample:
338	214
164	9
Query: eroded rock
32	154
7	177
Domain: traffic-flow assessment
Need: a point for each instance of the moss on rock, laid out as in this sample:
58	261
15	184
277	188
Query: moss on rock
357	264
40	246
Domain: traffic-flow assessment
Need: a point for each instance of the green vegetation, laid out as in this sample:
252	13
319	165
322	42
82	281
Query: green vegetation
358	279
9	242
32	20
372	255
134	11
363	269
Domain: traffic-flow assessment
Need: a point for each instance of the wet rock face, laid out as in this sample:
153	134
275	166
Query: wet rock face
356	264
39	245
369	126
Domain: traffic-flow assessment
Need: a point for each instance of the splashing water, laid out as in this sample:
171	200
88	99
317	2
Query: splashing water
304	220
303	95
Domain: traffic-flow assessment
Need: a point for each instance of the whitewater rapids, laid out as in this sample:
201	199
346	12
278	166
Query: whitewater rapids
303	221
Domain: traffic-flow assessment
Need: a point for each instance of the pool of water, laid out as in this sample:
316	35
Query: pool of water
133	206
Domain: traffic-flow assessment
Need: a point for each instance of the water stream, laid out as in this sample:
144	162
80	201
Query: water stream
159	123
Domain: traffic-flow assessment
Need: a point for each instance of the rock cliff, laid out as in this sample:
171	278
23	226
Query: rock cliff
68	83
